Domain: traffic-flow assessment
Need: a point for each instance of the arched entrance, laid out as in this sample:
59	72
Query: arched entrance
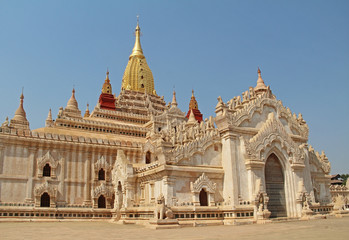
45	200
203	198
101	202
275	187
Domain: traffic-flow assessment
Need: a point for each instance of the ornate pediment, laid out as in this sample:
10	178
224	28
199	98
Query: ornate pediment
102	163
47	158
203	182
240	112
102	189
122	169
319	161
197	146
148	146
176	111
45	187
272	131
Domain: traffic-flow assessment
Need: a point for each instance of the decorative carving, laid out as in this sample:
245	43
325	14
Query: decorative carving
159	212
240	113
47	158
338	203
45	187
262	203
102	189
245	97
203	182
271	131
321	162
119	172
102	163
148	146
49	189
261	200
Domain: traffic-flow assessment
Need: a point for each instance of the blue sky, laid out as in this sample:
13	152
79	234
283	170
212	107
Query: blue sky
213	47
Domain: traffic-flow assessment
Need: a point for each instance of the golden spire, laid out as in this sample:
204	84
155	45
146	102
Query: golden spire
137	75
193	104
137	49
87	112
107	86
260	82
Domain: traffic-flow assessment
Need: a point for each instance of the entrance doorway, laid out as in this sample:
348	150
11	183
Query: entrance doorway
275	186
203	198
45	200
101	202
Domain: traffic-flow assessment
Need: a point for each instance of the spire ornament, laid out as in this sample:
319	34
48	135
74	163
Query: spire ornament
260	83
106	99
5	124
193	107
87	112
72	103
174	100
137	49
20	118
107	86
49	121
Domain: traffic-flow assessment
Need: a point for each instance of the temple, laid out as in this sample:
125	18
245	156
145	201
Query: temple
136	159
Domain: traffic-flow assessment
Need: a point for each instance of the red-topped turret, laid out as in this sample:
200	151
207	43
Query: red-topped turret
106	99
193	106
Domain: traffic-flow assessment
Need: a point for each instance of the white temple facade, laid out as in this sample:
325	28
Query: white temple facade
136	158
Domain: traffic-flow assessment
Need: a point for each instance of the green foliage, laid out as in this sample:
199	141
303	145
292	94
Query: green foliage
344	177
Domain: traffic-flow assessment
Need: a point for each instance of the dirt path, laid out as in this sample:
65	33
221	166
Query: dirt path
336	228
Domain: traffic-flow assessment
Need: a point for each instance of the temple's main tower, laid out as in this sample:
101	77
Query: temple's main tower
137	75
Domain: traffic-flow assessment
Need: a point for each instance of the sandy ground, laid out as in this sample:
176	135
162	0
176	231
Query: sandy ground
335	228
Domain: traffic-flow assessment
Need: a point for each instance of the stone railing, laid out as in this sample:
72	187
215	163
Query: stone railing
55	213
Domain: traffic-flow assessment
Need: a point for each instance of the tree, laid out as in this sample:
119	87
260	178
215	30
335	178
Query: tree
344	177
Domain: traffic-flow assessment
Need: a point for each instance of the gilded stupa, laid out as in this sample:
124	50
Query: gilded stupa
137	75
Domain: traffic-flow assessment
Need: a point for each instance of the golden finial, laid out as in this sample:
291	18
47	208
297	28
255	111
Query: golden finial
107	77
87	112
193	104
137	49
22	96
107	86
